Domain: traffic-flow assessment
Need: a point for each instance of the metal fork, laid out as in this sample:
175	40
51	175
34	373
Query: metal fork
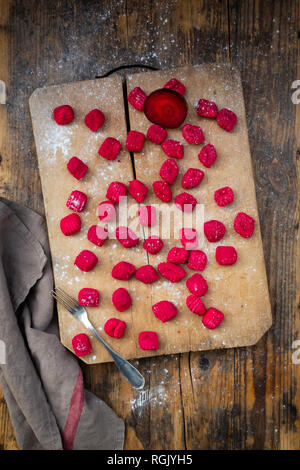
131	374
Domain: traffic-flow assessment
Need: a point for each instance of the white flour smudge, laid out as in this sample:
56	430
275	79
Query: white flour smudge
56	139
154	396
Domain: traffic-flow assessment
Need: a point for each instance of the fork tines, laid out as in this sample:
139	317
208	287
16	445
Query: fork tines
64	299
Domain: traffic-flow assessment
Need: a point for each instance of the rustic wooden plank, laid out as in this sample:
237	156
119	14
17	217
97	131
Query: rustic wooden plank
7	440
4	77
264	46
290	437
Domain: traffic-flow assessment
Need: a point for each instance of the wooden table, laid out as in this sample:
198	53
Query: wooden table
245	398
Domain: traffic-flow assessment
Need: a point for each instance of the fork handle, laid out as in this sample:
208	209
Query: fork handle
131	374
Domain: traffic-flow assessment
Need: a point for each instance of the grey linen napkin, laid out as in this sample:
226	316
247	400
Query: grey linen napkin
42	381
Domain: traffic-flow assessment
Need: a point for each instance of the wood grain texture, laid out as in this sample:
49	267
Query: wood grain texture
273	139
55	145
236	399
233	167
240	291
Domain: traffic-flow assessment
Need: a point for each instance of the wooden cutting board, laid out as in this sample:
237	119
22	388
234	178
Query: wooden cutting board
240	291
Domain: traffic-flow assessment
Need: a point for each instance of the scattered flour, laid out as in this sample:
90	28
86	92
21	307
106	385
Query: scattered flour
57	139
156	396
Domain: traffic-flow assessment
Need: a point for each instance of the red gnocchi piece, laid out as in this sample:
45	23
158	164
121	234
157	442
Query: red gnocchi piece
193	134
188	238
81	345
126	237
147	216
224	196
206	108
173	148
226	255
244	225
110	148
153	244
121	299
169	171
195	305
88	297
77	168
94	119
185	202
97	235
148	340
177	255
162	191
172	272
214	230
135	141
70	224
197	285
164	310
123	271
212	318
208	155
138	190
115	328
63	114
226	119
86	260
175	85
76	201
106	211
116	191
146	274
192	178
137	98
156	134
197	260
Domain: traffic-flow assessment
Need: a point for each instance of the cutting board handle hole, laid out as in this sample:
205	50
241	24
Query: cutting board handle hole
140	67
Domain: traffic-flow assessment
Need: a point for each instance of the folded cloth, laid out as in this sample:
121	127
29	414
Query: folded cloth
42	381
